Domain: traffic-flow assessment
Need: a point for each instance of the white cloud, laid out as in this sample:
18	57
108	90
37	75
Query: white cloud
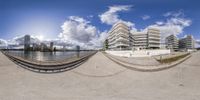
75	31
145	17
19	40
173	25
99	40
174	14
90	16
197	43
111	16
167	14
3	43
159	22
78	31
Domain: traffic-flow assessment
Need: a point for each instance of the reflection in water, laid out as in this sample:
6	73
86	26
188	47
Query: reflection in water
49	56
26	54
78	54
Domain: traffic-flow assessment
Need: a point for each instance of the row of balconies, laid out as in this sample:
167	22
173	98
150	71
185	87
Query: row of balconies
135	38
140	39
119	38
135	43
153	31
139	36
119	33
151	45
153	35
117	41
156	34
158	42
119	44
119	26
119	29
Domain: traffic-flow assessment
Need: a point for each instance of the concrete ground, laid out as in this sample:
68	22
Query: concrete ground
101	79
142	61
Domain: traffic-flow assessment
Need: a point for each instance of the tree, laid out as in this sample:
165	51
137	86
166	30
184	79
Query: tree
106	44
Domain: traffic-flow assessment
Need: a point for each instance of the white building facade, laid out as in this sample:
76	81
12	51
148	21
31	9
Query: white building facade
153	37
120	38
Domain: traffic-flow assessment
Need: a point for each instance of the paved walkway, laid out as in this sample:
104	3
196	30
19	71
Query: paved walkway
142	61
178	83
99	66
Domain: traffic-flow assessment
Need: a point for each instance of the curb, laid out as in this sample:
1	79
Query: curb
142	69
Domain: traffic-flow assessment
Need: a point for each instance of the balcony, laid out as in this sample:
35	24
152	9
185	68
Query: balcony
121	44
154	38
122	39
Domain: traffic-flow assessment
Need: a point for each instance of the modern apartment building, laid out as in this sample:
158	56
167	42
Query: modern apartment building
140	40
187	43
120	38
172	42
153	36
146	40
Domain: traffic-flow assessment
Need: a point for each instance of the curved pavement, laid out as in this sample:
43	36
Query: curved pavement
178	83
99	66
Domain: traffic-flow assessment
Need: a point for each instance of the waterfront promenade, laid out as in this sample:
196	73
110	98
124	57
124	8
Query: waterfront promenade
99	78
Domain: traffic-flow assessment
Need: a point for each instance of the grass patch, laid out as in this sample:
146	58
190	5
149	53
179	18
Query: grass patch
172	59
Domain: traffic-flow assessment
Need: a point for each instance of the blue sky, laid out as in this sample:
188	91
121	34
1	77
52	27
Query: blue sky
46	17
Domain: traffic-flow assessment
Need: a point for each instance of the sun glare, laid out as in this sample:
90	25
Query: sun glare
40	37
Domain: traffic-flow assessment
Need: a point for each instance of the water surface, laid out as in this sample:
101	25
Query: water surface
49	56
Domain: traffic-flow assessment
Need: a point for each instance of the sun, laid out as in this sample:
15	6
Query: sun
40	37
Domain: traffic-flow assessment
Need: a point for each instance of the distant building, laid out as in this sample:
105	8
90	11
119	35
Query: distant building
27	41
43	47
36	47
187	43
51	46
77	48
172	42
